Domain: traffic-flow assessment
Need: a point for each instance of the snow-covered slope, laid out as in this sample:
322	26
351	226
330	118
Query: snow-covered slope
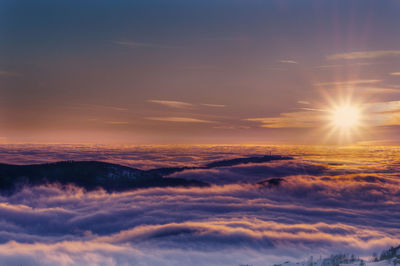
390	257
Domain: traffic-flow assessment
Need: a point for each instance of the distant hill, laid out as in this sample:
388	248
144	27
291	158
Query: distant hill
87	174
222	163
247	160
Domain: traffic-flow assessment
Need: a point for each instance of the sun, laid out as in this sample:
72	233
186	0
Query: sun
345	120
345	117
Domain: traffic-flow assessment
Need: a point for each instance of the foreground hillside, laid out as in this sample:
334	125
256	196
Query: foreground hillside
386	258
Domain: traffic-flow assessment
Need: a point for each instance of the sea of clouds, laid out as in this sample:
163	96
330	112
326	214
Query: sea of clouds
330	200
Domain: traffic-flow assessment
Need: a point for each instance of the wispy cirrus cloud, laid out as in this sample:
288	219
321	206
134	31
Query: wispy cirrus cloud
348	82
385	113
288	61
364	54
213	105
395	74
302	119
356	64
180	119
144	45
117	122
231	127
9	74
180	104
173	104
95	107
303	102
374	90
275	69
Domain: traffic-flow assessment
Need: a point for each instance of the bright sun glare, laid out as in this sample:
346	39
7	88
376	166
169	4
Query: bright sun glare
346	116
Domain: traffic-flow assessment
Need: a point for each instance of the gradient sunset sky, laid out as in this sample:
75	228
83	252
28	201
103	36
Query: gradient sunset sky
211	71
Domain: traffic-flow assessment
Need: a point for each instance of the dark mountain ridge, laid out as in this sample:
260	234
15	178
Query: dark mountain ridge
111	177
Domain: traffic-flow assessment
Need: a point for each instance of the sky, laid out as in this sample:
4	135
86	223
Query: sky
211	71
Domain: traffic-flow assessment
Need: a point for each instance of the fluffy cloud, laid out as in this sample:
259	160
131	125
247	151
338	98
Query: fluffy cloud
330	201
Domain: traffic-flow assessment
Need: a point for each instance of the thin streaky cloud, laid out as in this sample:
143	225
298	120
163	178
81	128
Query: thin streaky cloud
275	69
117	122
313	109
374	90
173	104
179	119
202	67
228	127
303	102
144	45
348	82
395	74
364	54
213	105
394	111
302	119
288	62
228	39
384	107
328	66
116	108
96	107
9	74
358	64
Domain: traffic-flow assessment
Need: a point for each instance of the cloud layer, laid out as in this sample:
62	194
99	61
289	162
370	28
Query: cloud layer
330	200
